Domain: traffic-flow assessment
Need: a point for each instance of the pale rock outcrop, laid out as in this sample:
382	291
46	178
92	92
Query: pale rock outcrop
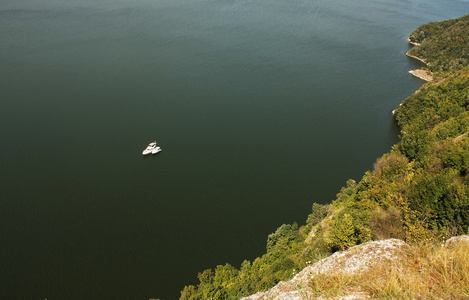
422	74
456	240
351	261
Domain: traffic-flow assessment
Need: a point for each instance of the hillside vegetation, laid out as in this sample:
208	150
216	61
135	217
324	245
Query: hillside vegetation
417	192
443	45
384	269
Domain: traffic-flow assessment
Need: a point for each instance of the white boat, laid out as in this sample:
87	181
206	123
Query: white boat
156	150
150	148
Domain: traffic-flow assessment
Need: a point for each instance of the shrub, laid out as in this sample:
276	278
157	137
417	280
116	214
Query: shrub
387	223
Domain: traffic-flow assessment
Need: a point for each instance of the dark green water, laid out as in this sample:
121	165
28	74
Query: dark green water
261	108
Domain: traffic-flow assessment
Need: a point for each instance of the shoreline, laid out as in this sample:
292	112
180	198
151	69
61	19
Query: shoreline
413	43
417	58
423	74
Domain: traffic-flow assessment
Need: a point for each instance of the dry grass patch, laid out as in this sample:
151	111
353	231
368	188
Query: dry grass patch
424	272
335	284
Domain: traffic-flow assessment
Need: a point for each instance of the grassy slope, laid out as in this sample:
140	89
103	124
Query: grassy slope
419	191
428	271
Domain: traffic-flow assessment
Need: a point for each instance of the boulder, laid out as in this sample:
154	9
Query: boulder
351	261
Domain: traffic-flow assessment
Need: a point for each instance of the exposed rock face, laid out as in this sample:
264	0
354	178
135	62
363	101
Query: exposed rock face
456	240
351	261
417	58
422	74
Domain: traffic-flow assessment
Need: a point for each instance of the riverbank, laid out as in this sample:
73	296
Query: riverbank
419	73
417	192
422	74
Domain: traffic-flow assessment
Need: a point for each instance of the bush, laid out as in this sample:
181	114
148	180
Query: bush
387	223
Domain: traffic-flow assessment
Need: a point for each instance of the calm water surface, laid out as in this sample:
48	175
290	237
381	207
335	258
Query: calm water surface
262	107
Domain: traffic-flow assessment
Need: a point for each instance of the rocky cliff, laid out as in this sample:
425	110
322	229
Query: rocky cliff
353	262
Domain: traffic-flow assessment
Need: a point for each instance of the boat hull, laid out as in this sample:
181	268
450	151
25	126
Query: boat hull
151	149
156	150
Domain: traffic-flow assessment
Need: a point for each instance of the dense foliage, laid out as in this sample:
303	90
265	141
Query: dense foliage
444	45
279	263
417	191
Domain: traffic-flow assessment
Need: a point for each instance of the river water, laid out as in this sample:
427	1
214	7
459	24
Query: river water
262	107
